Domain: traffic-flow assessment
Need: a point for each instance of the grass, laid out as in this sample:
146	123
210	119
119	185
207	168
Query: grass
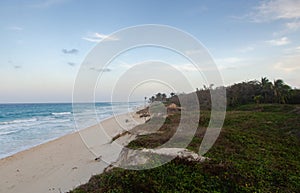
165	132
257	151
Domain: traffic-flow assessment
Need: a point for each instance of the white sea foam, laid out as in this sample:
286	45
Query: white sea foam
8	132
61	113
18	121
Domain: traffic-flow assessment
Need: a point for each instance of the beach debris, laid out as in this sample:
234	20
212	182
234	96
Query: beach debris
75	168
145	115
98	158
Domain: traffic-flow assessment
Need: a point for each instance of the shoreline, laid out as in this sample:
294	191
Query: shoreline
31	147
13	126
64	163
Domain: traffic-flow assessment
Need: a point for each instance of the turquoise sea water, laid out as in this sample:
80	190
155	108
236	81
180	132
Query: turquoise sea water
26	125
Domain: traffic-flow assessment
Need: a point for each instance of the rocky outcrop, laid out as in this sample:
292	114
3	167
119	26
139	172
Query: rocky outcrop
148	158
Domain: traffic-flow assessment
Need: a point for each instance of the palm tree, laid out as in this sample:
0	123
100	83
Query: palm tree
145	100
281	91
152	99
163	97
158	96
266	89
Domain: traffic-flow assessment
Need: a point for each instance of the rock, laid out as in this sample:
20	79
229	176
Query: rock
129	158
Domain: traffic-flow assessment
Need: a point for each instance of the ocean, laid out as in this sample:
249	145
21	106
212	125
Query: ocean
23	126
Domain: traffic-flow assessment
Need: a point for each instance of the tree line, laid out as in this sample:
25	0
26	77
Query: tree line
263	91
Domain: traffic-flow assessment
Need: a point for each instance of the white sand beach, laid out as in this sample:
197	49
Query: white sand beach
62	164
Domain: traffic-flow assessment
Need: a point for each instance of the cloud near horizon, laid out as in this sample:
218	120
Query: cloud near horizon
288	63
71	51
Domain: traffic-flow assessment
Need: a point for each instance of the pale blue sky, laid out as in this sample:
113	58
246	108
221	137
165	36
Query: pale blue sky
43	42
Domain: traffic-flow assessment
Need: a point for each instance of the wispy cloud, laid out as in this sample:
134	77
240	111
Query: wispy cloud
288	28
229	60
287	11
276	9
222	64
71	63
279	42
123	64
91	39
186	67
47	3
97	37
100	69
194	52
71	51
293	25
246	49
15	28
15	66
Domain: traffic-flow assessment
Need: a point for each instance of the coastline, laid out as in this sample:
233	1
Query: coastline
66	162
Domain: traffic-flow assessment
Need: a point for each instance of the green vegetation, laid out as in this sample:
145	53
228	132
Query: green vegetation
250	92
257	151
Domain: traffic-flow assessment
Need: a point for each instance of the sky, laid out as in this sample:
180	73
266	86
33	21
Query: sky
44	42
